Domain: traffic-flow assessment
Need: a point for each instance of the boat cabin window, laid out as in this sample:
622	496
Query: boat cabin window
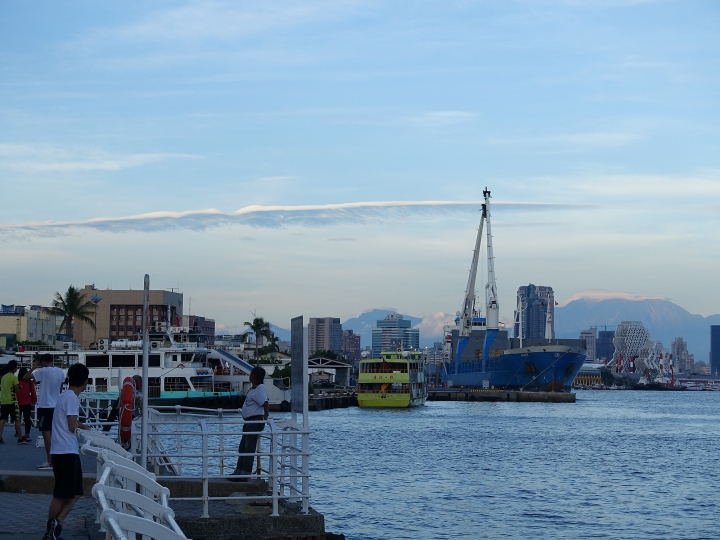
101	384
174	384
384	367
97	360
123	360
186	358
154	360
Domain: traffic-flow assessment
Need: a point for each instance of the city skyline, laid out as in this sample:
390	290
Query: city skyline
275	159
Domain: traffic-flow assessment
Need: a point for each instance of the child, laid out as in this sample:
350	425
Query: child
8	401
26	398
66	459
255	409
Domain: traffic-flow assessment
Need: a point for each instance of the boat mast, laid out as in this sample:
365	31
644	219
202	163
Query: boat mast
467	313
493	308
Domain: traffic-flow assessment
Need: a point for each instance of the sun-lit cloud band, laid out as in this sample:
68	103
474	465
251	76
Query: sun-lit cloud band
314	215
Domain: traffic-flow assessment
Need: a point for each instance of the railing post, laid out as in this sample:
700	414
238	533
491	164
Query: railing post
274	480
179	440
221	447
305	471
205	452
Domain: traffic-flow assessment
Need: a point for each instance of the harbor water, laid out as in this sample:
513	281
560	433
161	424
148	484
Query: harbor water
616	464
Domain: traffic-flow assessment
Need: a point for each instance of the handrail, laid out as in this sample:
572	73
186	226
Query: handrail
112	502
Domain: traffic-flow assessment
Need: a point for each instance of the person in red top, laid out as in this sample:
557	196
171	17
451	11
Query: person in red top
26	398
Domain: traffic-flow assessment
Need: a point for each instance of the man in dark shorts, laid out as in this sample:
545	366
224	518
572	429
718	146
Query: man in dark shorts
64	447
51	379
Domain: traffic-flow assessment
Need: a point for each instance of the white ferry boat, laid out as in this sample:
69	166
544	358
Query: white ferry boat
181	370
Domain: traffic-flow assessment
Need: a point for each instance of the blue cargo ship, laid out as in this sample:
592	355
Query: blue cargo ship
480	354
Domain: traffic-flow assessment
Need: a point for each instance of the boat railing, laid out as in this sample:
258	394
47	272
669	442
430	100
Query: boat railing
194	443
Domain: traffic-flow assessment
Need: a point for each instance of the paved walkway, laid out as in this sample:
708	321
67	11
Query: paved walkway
24	517
26	457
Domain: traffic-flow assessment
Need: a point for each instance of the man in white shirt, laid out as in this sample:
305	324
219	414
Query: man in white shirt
255	412
67	468
51	379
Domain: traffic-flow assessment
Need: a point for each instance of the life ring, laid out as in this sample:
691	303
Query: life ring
126	409
181	366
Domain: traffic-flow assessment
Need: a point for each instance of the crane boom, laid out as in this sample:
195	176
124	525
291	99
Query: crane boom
466	315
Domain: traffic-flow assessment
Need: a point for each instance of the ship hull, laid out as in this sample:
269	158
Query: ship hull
536	368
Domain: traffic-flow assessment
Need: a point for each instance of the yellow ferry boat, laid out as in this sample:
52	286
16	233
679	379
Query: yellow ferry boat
397	379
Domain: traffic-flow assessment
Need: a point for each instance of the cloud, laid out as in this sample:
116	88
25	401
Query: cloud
433	325
342	239
596	295
278	216
49	158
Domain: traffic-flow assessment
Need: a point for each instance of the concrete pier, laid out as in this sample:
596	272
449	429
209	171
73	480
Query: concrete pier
25	494
329	401
456	394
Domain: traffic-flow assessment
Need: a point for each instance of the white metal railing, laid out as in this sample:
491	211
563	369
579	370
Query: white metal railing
138	505
193	443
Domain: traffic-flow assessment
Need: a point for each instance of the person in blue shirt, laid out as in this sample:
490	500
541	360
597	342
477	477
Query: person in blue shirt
255	412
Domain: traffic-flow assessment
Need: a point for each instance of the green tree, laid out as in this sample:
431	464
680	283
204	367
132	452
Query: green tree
72	306
260	328
320	353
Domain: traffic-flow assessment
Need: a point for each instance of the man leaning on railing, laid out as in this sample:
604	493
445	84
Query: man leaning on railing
255	411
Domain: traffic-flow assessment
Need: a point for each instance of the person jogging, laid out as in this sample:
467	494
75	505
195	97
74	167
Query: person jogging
51	379
67	468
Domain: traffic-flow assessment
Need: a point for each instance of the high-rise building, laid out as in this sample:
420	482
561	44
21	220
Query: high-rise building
682	360
604	346
324	334
351	345
715	349
535	300
118	313
393	333
590	337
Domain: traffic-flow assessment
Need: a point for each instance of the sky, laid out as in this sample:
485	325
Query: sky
326	158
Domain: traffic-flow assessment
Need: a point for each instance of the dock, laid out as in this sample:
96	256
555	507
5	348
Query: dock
519	396
25	494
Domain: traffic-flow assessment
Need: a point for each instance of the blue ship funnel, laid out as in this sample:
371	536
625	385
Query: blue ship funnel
490	336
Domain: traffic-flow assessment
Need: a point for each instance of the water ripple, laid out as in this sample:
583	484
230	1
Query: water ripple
632	465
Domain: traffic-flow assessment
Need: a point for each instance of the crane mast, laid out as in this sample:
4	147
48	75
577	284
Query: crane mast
466	315
493	308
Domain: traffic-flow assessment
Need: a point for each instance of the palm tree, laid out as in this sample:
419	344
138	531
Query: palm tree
72	306
261	329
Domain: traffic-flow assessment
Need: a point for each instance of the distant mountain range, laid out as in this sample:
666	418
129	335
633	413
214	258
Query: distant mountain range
664	320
